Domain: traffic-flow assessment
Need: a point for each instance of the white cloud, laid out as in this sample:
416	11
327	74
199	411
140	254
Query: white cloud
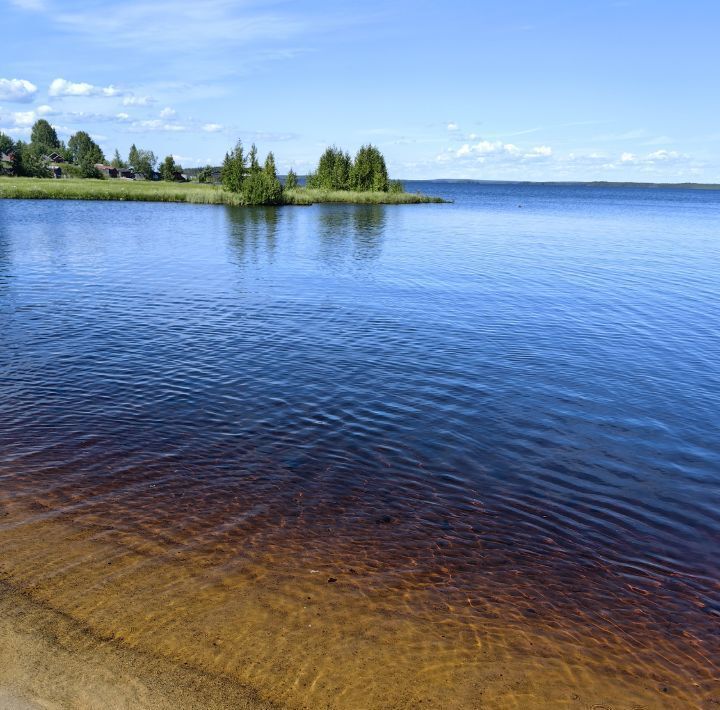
168	112
452	126
156	125
137	100
17	90
212	128
62	87
122	116
45	110
24	118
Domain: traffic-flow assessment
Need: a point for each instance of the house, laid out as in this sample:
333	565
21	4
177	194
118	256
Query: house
106	170
179	177
7	163
56	158
126	173
56	171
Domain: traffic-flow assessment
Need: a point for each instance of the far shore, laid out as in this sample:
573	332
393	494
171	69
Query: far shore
22	188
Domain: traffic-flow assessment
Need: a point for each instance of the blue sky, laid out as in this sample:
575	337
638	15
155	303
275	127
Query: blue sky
520	89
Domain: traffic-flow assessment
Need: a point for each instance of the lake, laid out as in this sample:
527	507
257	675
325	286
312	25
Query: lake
459	455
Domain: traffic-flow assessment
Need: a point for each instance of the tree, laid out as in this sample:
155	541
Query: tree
132	156
206	174
117	161
254	165
142	161
291	181
168	169
6	143
43	137
333	171
83	149
369	171
259	188
88	169
7	148
29	161
269	168
234	169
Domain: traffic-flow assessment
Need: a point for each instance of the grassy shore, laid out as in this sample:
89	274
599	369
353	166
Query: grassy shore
195	193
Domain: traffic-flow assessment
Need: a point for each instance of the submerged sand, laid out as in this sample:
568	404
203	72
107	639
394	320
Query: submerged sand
95	617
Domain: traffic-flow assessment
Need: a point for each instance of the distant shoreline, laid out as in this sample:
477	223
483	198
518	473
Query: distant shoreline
189	193
570	183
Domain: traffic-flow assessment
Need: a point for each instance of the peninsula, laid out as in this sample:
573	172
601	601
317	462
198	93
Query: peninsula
47	168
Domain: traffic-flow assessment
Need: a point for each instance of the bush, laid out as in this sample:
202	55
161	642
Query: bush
259	188
396	187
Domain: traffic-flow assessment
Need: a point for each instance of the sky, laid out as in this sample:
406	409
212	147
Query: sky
625	90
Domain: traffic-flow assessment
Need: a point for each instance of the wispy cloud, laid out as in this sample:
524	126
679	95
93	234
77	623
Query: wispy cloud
17	90
132	100
28	4
185	23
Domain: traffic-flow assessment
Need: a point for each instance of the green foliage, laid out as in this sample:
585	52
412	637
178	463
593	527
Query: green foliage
333	171
234	169
206	174
87	167
145	190
43	137
132	155
291	181
30	162
253	164
142	162
6	143
396	187
117	161
83	149
270	168
7	146
168	169
259	188
369	171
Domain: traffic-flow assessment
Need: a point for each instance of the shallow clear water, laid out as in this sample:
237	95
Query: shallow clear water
481	437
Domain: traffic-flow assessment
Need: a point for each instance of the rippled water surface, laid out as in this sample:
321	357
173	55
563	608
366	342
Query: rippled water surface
462	455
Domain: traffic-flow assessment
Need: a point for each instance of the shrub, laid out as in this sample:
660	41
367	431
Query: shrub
259	188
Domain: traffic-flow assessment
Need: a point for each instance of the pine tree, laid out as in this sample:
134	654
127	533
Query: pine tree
254	165
117	161
133	156
291	181
269	168
234	169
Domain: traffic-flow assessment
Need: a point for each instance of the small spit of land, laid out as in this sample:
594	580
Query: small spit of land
192	192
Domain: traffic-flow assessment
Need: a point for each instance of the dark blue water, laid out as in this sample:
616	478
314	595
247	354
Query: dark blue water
534	370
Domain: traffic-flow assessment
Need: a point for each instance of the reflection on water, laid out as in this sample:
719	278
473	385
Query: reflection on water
367	456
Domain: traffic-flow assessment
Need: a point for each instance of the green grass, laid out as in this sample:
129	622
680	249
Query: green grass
306	196
143	190
194	193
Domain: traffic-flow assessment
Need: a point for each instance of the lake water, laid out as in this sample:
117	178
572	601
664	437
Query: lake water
461	455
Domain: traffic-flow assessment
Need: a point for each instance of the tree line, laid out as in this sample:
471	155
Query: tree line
81	155
241	172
